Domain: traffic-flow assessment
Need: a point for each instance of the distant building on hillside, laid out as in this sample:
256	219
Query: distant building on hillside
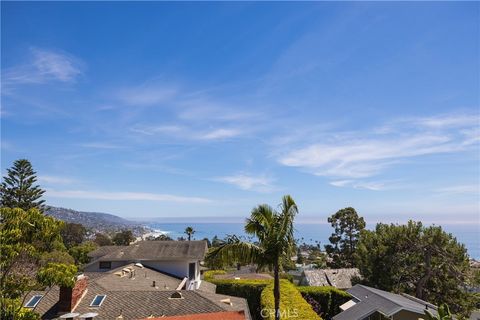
338	278
372	304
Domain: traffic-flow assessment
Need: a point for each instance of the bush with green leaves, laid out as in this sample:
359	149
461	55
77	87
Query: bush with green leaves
251	290
326	299
292	304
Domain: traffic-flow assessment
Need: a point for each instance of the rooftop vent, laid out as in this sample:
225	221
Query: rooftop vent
227	301
176	295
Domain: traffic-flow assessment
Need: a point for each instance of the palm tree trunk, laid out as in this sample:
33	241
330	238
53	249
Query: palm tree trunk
276	289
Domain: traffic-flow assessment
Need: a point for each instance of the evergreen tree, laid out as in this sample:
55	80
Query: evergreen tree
18	188
348	226
189	232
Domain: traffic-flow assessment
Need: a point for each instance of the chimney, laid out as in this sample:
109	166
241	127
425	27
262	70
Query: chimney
70	297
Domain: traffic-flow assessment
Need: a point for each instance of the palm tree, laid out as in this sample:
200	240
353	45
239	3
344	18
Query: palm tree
274	231
443	313
189	231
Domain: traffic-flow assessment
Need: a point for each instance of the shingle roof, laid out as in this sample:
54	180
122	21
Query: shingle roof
237	315
136	298
339	278
154	250
101	251
369	300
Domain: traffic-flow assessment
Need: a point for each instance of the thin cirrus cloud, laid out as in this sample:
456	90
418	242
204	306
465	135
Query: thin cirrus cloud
124	196
43	66
260	183
473	189
366	155
186	133
47	179
146	95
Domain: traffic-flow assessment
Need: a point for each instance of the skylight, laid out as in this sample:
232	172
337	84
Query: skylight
32	303
97	301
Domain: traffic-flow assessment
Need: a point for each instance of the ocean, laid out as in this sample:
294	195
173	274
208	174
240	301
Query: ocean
308	233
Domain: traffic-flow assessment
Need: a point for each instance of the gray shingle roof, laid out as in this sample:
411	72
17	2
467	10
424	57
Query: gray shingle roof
339	278
153	250
369	300
137	299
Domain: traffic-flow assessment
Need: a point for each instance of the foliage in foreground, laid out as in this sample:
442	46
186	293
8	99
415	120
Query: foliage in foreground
292	304
423	261
251	290
274	231
443	313
326	301
30	257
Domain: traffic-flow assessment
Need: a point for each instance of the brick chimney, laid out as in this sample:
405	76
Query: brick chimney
70	297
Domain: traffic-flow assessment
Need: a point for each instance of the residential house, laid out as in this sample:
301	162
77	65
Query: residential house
131	291
374	304
177	258
339	278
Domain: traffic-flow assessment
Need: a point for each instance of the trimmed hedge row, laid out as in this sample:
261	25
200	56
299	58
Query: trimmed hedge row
210	274
292	304
251	290
326	301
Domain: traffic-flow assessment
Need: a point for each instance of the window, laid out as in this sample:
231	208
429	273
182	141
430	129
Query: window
97	301
105	265
32	303
191	271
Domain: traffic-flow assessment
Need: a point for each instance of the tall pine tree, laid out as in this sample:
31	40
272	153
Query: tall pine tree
18	188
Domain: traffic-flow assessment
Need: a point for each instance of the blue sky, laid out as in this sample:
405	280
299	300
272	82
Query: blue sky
207	109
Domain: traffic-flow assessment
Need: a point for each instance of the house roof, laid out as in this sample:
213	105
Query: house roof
370	300
153	250
136	298
339	278
229	315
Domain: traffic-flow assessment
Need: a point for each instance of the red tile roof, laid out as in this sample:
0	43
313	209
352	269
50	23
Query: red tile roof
228	315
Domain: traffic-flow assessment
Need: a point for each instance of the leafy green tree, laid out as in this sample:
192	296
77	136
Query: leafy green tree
102	240
18	189
423	261
189	232
80	252
73	234
216	242
27	237
123	238
274	231
347	225
56	256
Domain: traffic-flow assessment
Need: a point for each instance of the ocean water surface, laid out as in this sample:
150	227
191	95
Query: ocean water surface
308	233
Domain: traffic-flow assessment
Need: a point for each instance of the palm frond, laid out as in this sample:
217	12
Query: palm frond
234	250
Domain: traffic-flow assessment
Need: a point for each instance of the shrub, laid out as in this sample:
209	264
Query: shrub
292	304
328	300
251	290
210	274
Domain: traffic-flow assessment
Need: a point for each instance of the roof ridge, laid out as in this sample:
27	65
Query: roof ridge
378	295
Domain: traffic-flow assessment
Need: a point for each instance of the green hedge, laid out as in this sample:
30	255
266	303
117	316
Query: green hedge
251	290
210	274
292	304
329	299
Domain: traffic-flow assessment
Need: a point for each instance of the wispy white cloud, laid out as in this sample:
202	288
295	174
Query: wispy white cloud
460	189
123	196
359	154
219	134
260	183
188	133
55	180
44	65
363	185
101	145
148	94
